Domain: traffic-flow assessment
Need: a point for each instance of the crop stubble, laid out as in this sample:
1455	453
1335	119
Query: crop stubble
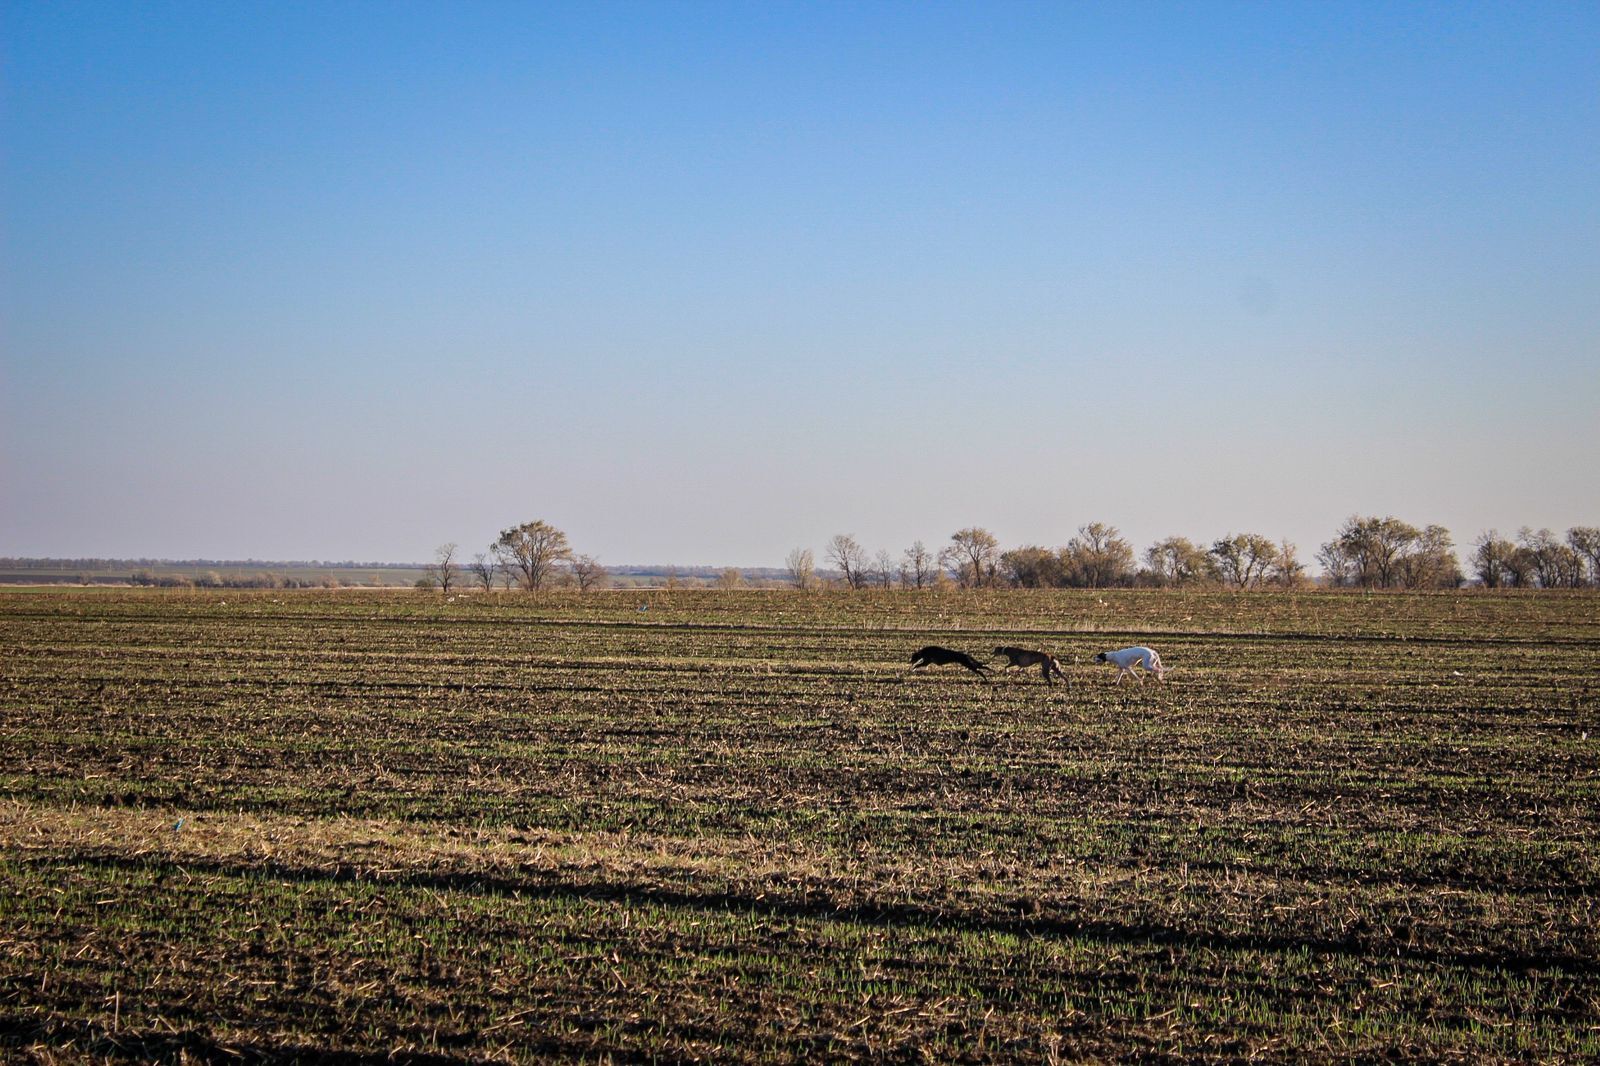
733	826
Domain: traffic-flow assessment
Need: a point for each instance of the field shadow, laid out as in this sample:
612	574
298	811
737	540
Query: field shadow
1023	922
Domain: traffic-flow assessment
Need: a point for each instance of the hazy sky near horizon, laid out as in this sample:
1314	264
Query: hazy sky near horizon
703	282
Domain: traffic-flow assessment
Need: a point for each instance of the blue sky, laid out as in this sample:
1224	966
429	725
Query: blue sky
701	282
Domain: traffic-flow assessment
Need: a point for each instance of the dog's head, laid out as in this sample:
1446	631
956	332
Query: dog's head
1100	658
1001	650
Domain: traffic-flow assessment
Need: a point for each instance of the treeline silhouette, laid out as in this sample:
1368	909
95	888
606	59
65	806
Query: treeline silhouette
202	573
1365	552
92	565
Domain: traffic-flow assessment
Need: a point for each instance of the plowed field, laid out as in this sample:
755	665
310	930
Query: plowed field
734	827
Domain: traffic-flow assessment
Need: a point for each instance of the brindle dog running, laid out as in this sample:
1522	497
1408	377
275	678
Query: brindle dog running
1023	657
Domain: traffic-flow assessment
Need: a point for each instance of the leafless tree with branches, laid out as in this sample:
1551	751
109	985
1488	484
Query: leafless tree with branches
974	555
484	567
802	568
444	570
917	566
588	573
846	553
531	552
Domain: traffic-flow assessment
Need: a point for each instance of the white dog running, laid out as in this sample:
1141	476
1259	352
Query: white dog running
1128	658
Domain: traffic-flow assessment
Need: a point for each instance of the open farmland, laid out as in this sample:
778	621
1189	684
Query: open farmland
698	826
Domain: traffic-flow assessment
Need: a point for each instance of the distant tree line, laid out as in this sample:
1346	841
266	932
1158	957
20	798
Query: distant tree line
1538	559
1097	557
1365	552
193	573
214	580
96	565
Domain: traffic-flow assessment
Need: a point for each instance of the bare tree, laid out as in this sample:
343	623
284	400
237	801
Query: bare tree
917	566
730	578
444	570
1555	563
1367	551
1430	561
1490	554
1521	567
1098	557
1585	541
846	553
1176	561
1243	559
1387	553
883	568
974	555
1032	567
484	567
1338	565
802	568
531	552
588	573
1287	570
